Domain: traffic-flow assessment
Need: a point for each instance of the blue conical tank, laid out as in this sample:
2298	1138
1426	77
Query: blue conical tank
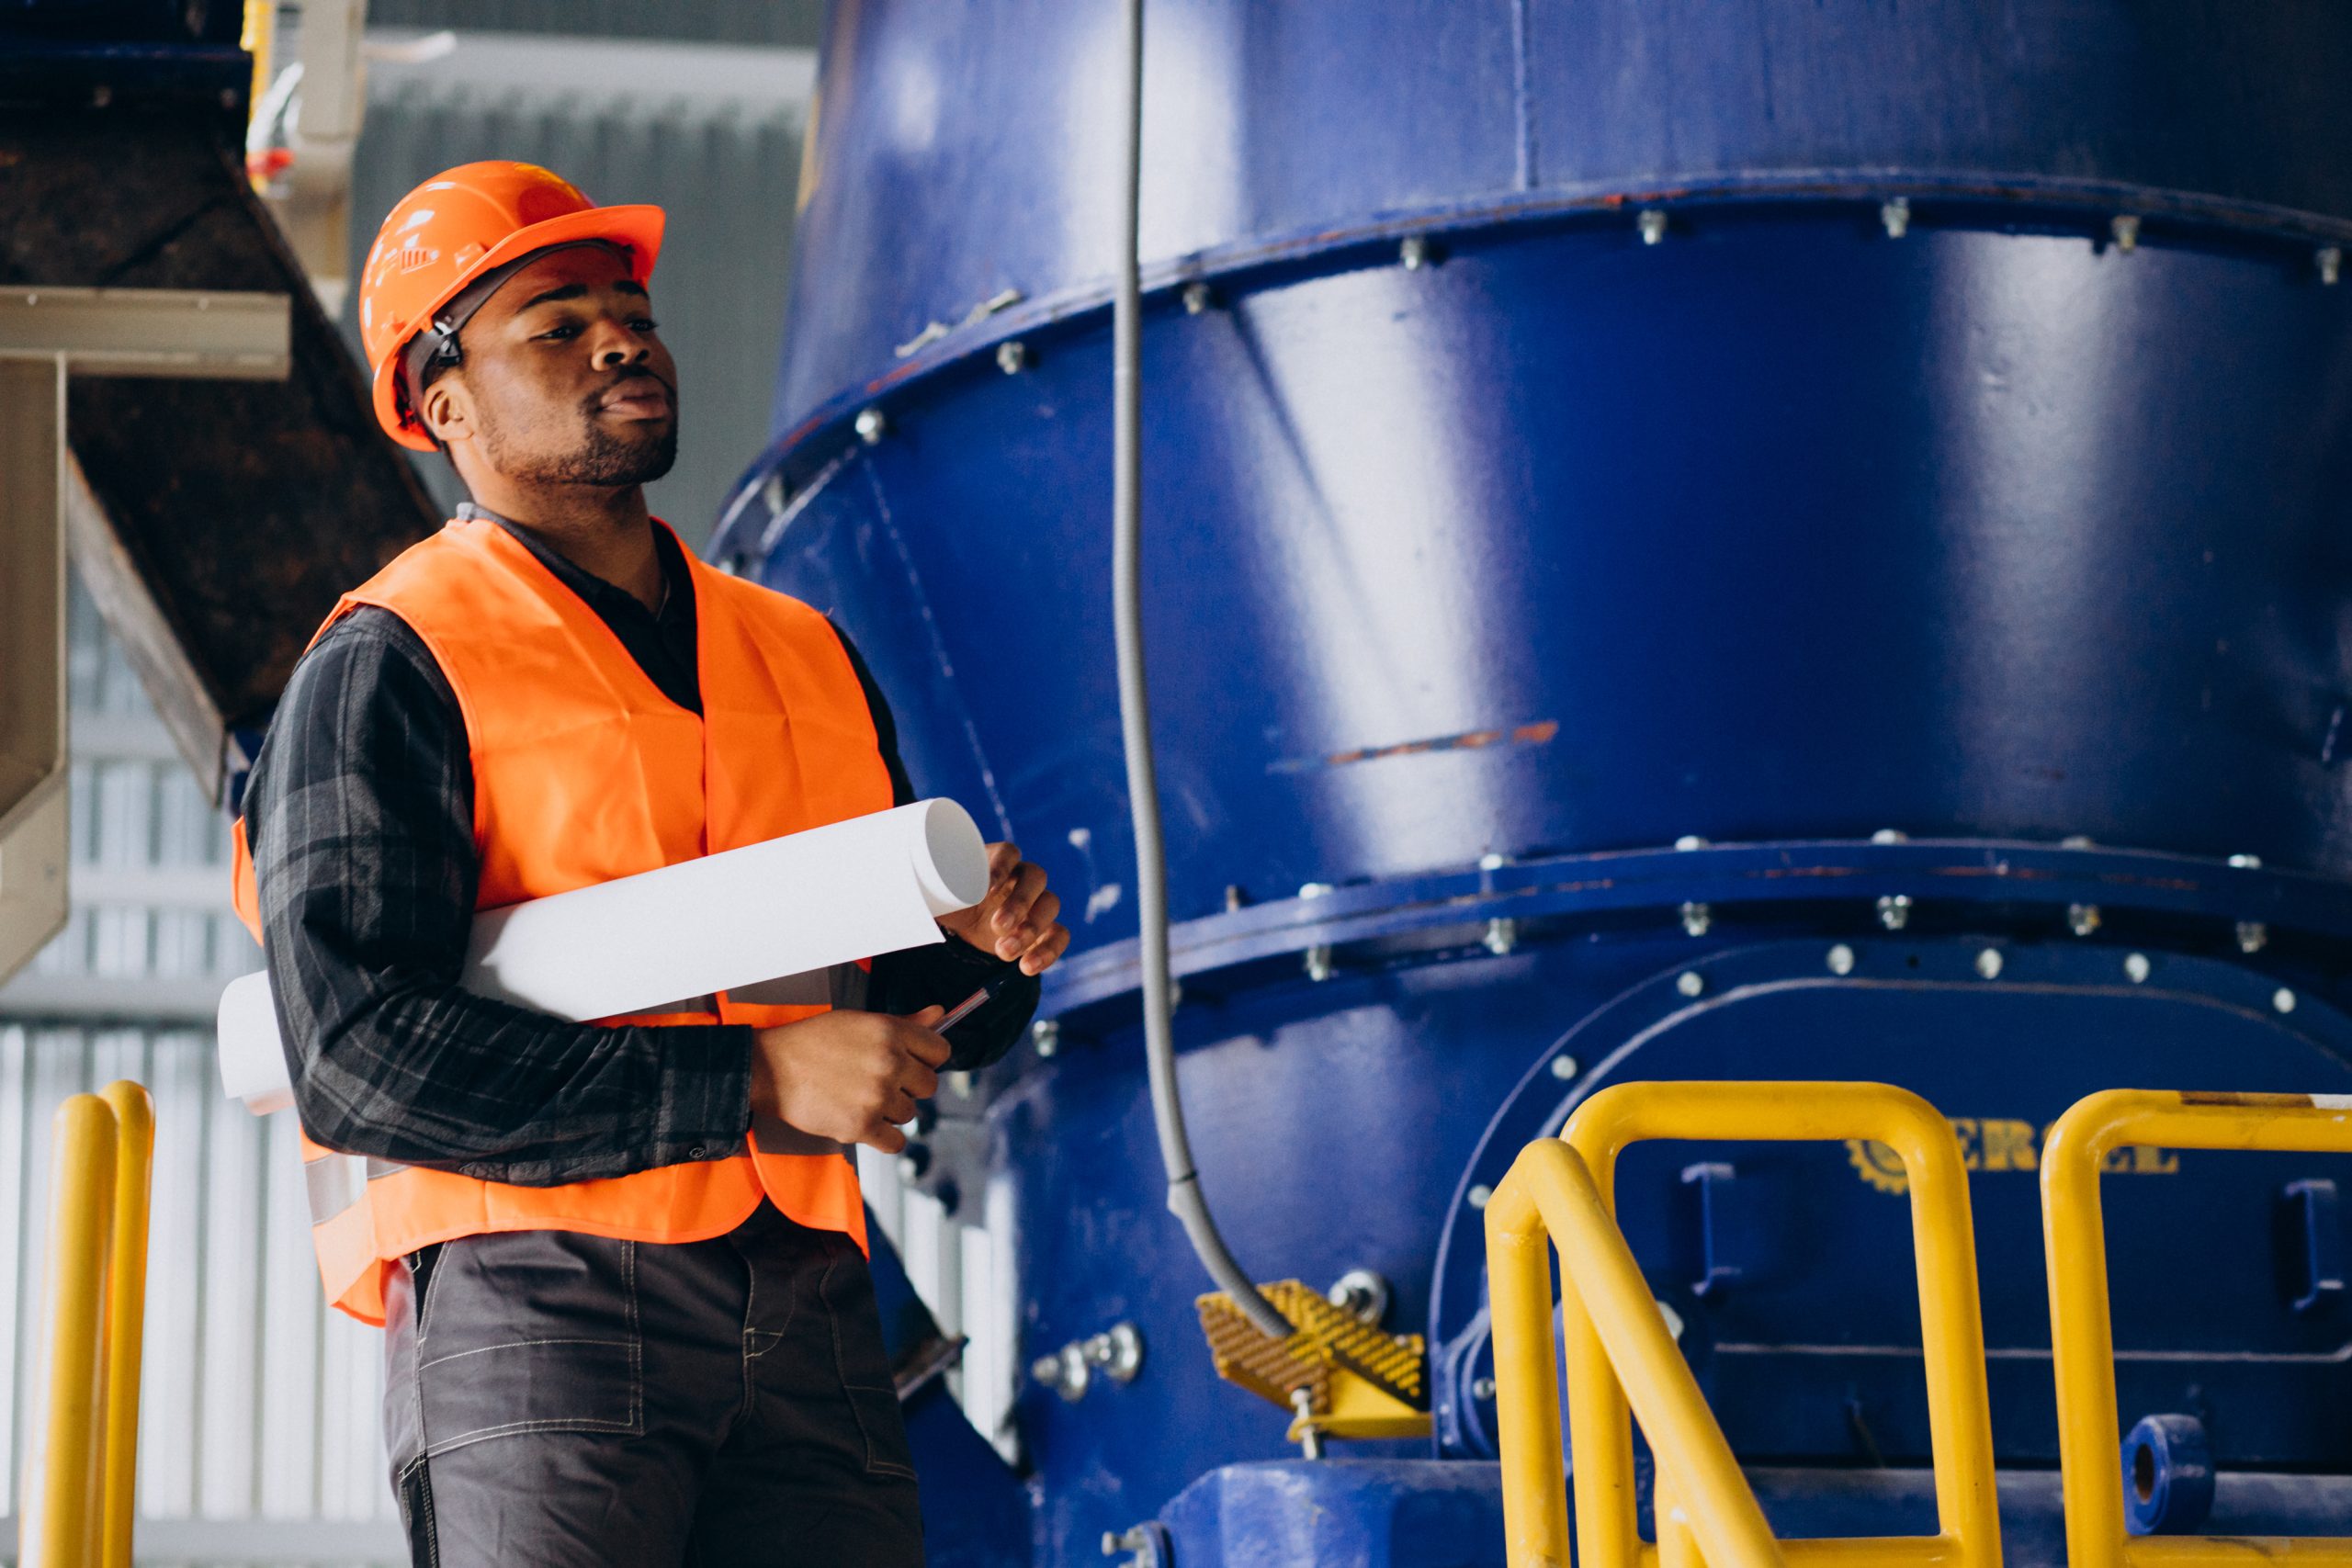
1895	453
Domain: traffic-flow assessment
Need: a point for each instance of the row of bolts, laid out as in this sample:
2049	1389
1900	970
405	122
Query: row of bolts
1501	934
1415	252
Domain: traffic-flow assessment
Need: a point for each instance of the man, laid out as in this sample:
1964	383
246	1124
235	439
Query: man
629	1319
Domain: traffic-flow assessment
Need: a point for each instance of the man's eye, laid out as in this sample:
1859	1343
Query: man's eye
645	325
569	330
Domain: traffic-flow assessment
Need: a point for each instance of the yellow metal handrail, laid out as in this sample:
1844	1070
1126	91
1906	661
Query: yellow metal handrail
81	1466
1959	1414
1550	1196
2082	1331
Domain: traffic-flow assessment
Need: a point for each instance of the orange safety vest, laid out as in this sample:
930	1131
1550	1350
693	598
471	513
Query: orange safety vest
584	771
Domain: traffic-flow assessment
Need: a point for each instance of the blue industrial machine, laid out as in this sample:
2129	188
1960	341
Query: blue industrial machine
1682	542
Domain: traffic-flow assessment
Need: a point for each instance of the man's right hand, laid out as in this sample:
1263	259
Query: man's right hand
849	1077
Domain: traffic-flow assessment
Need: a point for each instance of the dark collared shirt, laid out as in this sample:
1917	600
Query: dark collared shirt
360	812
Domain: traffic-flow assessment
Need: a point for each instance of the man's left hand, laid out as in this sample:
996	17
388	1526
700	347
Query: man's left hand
1016	919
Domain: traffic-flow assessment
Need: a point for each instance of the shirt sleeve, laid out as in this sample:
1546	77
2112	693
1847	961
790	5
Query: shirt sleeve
942	973
360	815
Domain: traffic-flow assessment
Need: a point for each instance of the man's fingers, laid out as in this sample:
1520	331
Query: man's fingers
928	1018
924	1044
1045	951
1003	860
921	1081
1019	893
884	1136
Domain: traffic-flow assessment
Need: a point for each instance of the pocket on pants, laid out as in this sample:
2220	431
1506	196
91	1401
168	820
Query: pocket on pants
864	1366
529	1331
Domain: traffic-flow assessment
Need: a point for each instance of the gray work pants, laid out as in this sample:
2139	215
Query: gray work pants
564	1401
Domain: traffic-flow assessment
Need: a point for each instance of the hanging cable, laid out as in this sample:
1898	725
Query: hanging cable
1184	1199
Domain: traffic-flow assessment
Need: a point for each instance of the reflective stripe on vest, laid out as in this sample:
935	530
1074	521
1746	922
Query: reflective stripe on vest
583	771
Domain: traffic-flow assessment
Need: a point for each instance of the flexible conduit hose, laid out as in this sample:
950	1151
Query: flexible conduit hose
1134	721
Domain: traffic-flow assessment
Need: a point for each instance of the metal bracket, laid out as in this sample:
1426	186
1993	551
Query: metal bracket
151	332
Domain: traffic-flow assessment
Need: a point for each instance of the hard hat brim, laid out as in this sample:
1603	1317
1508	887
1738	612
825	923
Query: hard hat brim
636	228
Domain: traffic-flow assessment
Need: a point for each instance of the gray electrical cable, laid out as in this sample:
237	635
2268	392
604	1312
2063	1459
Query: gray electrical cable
1135	723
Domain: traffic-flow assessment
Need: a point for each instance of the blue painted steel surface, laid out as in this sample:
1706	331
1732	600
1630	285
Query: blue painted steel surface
1981	517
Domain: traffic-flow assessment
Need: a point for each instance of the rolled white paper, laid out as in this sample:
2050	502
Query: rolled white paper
779	911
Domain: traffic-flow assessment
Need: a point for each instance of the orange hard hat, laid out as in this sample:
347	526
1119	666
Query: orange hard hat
457	228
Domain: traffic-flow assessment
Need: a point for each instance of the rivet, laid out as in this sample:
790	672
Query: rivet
2331	264
2246	862
1046	1036
1012	356
2135	968
2253	936
1690	841
1653	226
1196	298
1988	962
1492	861
1689	982
1696	919
2082	918
1564	1068
871	425
1895	214
1481	1195
1895	910
2126	229
2283	999
1842	959
1414	253
2077	841
1482	1388
1890	836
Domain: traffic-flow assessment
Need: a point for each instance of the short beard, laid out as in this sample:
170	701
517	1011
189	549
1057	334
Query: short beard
603	459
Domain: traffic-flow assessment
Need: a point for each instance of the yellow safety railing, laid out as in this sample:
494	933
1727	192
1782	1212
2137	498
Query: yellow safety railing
2083	1334
1550	1196
82	1462
1603	1375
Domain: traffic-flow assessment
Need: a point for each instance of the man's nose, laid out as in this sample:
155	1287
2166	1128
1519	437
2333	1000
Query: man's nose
618	347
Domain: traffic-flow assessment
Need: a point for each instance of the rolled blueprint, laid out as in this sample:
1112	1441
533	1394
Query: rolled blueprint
772	915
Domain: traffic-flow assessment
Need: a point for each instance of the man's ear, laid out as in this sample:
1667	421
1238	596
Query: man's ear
448	409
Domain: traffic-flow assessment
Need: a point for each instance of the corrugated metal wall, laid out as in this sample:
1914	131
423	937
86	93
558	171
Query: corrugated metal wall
795	23
258	1434
713	136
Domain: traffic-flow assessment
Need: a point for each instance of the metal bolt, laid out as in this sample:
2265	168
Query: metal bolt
1318	957
1136	1542
1310	1442
2082	918
1493	862
2253	936
2246	862
2077	841
1564	1068
1502	935
1890	836
1046	1036
1077	1372
1012	356
1482	1388
1895	910
1696	919
1842	959
1988	964
2283	999
1118	1350
1196	298
1414	253
2135	968
1480	1194
1689	982
2331	264
2126	229
871	426
1690	841
1046	1373
1653	226
1896	215
1362	1292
